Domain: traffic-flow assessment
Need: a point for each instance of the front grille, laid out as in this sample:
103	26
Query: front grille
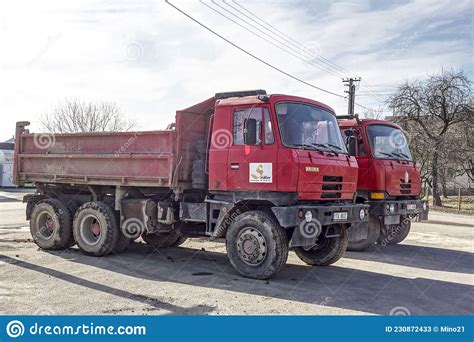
332	186
405	188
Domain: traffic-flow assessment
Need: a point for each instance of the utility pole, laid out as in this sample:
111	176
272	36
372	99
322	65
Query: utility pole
350	83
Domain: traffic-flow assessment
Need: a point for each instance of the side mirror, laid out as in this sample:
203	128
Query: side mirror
250	131
349	133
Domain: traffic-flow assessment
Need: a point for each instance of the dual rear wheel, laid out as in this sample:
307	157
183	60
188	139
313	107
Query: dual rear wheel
94	226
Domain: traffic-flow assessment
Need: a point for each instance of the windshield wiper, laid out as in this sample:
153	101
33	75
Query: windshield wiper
328	146
338	147
311	146
388	154
401	155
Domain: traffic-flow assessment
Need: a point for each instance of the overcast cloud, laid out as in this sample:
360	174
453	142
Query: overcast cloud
151	60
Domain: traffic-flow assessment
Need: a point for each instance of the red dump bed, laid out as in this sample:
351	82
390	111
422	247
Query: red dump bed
124	158
152	159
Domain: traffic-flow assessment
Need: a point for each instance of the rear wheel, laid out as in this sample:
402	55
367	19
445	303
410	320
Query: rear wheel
396	233
95	229
50	224
257	246
373	234
327	250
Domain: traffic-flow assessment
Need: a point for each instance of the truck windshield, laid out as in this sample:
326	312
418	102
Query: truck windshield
308	127
388	142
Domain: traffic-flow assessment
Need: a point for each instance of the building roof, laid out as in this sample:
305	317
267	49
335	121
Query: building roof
10	141
7	146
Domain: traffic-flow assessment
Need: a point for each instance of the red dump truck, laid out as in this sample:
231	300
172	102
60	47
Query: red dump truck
268	173
389	180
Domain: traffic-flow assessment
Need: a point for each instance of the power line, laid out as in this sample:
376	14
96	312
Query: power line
333	66
250	54
279	44
286	37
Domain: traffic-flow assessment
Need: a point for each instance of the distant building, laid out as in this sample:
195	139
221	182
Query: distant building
6	163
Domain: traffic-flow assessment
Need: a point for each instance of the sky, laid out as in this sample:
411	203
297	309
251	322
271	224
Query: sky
151	60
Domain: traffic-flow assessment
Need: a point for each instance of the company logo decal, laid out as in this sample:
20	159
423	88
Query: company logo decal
260	173
406	177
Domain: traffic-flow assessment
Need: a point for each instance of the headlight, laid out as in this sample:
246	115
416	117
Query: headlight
308	216
424	206
392	208
362	214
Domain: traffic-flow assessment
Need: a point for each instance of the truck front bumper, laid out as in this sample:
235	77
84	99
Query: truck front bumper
391	211
310	221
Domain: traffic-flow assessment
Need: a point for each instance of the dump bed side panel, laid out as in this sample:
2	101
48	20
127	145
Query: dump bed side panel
115	158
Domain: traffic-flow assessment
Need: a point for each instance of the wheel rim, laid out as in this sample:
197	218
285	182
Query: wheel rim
90	230
46	224
251	246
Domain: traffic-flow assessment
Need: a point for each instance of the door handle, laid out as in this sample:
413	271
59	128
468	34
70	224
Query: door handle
234	166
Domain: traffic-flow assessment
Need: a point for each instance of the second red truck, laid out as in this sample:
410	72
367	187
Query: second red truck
389	180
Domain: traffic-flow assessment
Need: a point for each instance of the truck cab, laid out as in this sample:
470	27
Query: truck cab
389	179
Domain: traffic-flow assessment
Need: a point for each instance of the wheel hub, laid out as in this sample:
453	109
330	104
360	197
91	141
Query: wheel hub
46	224
50	224
90	230
251	246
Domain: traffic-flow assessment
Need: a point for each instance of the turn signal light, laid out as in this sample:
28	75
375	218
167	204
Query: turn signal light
377	195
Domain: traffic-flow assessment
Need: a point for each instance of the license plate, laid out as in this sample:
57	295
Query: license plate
411	206
339	216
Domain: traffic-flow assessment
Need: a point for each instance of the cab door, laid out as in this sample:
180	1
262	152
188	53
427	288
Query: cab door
252	167
358	148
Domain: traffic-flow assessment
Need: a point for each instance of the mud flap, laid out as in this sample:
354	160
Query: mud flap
304	237
358	231
423	216
391	219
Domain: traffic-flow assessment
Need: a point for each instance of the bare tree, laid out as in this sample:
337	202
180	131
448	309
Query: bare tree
435	109
75	116
373	113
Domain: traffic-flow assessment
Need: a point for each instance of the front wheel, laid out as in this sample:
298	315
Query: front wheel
257	246
396	233
373	233
329	247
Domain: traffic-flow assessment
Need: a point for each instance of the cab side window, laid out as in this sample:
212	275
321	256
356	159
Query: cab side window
239	117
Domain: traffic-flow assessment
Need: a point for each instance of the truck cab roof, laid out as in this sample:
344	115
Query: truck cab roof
272	98
248	97
348	123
